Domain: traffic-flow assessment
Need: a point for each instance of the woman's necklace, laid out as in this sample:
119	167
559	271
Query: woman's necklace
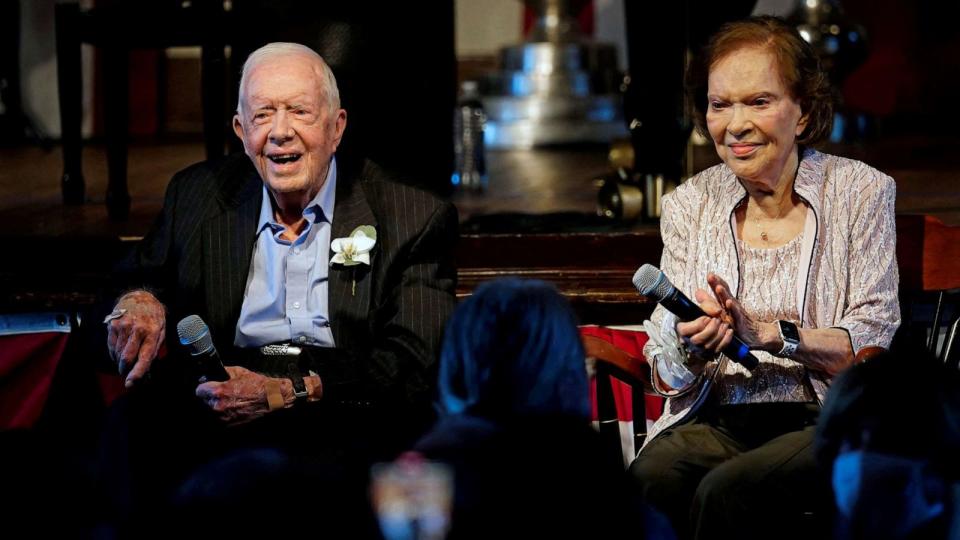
764	235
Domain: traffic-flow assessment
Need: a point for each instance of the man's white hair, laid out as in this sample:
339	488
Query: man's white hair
273	50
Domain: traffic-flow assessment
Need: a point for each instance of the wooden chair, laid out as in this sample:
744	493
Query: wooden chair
928	253
949	353
612	363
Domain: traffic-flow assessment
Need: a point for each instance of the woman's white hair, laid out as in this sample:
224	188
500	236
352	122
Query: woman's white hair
273	50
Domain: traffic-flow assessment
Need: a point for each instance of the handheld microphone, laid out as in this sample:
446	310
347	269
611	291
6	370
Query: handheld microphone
195	336
653	283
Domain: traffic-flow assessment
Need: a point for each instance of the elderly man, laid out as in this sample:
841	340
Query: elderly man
265	249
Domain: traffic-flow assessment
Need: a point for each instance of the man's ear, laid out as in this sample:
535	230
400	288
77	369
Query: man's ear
339	126
238	126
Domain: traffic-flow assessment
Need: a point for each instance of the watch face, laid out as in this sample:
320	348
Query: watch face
789	331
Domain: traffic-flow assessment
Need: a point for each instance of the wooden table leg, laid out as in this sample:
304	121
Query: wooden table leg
116	96
213	79
69	70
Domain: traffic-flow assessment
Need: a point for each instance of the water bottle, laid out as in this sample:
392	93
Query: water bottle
470	166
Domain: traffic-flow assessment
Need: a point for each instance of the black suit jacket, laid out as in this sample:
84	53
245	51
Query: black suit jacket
387	332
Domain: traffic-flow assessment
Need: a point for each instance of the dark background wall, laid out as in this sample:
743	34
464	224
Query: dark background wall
395	67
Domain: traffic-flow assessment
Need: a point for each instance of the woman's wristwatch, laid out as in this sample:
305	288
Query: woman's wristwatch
790	336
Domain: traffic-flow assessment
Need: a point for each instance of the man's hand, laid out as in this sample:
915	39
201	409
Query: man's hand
243	398
134	338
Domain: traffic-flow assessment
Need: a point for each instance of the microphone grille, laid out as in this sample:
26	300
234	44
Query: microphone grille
652	283
194	334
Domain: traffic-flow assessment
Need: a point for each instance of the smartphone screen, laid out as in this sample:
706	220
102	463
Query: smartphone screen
413	498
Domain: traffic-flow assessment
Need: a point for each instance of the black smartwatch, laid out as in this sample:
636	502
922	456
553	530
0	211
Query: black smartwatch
291	355
790	336
299	387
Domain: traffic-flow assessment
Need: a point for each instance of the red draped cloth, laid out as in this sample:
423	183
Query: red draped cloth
27	365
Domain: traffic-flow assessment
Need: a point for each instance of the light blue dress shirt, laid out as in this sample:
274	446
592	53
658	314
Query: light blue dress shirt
285	299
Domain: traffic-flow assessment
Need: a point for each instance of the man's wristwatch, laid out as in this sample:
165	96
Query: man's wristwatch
790	336
299	387
291	354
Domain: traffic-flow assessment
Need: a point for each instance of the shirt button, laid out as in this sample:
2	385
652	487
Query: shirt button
296	305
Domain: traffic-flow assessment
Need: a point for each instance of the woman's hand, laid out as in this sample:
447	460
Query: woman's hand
706	336
756	334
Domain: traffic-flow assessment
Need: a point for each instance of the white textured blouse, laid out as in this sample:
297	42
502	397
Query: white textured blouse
846	270
767	297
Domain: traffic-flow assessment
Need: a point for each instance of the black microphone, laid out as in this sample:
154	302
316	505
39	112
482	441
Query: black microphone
195	336
653	283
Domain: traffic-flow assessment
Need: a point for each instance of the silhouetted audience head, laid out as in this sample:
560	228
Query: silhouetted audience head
514	425
890	433
513	349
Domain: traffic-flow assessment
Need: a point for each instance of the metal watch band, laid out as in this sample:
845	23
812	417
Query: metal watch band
282	349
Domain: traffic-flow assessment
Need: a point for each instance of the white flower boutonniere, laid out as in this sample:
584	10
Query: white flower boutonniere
354	249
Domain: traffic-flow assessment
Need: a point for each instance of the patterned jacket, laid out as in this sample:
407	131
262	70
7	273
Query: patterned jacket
848	276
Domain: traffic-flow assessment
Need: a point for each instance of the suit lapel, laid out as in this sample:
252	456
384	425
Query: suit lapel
229	237
348	304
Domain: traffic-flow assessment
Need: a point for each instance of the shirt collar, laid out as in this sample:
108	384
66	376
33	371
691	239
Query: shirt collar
319	208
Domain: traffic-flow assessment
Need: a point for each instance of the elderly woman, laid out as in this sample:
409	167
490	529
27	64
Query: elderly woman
790	249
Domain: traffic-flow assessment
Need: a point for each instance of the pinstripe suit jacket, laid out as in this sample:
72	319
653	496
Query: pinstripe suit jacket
387	332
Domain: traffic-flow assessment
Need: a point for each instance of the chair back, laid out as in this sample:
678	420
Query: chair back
620	376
